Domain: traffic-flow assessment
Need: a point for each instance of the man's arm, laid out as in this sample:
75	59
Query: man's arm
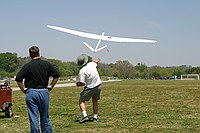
53	83
80	84
21	86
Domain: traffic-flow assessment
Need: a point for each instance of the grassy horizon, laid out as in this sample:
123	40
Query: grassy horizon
126	106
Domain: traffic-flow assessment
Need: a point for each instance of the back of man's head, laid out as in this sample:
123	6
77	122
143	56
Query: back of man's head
34	51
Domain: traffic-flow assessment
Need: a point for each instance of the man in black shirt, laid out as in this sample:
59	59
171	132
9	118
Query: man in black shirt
36	74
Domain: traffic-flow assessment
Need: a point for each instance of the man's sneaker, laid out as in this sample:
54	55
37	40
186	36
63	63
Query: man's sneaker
84	119
94	119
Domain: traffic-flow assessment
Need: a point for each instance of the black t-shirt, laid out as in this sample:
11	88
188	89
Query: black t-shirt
36	73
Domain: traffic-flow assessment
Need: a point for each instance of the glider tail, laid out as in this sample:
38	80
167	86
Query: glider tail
99	41
87	45
96	50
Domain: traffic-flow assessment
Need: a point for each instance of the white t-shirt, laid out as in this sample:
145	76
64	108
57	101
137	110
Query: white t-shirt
89	75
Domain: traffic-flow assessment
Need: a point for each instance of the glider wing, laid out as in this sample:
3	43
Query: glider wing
78	33
100	37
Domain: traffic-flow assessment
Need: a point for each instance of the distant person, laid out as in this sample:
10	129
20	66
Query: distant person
36	74
89	78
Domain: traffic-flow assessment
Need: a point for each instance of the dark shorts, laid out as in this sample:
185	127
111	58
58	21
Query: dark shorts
87	93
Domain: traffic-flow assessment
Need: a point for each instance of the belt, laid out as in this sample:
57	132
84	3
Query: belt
38	87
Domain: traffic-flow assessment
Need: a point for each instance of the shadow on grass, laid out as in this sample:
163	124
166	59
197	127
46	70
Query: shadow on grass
90	119
68	114
1	114
2	117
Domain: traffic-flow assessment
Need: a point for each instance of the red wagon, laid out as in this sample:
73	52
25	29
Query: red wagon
6	100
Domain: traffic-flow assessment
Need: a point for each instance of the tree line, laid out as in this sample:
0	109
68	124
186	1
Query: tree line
10	64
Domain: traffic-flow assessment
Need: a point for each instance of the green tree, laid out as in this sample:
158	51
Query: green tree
141	71
193	70
104	69
153	71
8	62
70	69
178	71
123	69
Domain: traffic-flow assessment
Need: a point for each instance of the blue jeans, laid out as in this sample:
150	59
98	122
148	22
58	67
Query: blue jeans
37	100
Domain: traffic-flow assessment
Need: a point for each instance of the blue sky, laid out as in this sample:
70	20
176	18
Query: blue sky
175	24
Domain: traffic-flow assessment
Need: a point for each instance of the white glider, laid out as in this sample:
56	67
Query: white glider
99	37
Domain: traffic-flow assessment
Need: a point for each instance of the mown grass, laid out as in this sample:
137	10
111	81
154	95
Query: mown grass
126	106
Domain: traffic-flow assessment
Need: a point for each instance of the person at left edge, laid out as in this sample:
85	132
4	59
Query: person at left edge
36	74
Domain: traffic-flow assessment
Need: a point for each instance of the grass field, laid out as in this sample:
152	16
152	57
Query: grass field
126	106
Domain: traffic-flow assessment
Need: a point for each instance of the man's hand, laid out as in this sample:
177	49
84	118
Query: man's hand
80	84
49	87
53	83
97	61
24	91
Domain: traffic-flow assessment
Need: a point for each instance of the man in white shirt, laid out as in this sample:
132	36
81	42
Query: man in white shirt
89	78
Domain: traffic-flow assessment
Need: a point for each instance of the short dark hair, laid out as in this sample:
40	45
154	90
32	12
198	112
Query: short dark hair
34	51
